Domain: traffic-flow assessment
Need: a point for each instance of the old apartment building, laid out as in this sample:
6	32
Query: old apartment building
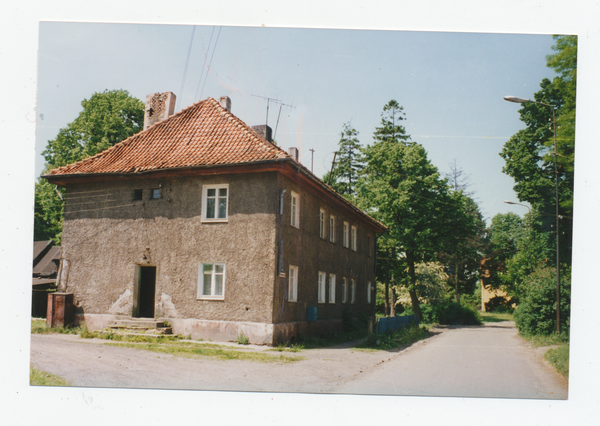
202	221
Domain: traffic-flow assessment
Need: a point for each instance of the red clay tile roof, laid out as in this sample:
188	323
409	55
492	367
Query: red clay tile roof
204	134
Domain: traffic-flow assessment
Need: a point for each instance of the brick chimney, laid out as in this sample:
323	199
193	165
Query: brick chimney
293	152
225	102
159	106
265	131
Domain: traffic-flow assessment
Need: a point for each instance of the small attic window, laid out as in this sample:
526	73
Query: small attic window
150	112
138	194
155	193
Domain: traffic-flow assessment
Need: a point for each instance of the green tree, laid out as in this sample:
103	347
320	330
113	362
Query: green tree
401	188
349	163
107	118
529	154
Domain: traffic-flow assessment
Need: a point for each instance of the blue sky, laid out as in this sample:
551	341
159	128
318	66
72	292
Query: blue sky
451	84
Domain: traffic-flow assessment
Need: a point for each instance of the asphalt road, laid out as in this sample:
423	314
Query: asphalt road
489	361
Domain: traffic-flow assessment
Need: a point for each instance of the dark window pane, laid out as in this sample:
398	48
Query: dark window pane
210	208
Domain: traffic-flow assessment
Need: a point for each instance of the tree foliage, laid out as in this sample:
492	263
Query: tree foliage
529	154
107	118
401	188
349	163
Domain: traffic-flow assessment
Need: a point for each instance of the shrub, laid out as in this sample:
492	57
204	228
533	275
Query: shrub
449	313
536	314
402	336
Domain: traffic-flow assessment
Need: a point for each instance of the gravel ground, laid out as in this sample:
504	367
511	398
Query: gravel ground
92	362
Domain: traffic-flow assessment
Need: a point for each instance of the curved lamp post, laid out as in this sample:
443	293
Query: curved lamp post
528	215
522	101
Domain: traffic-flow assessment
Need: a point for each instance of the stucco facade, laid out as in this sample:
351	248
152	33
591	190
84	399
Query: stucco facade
202	222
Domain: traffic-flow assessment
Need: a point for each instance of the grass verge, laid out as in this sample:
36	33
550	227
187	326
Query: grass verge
287	348
559	358
401	337
42	378
207	350
496	316
39	327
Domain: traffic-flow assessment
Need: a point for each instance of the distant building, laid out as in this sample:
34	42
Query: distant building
200	220
46	259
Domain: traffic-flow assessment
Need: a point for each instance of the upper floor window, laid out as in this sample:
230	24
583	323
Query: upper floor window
211	281
138	194
332	229
295	210
322	223
353	238
215	201
293	284
346	234
155	193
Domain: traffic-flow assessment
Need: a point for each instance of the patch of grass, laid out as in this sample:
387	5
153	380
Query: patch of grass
202	350
559	358
543	340
400	337
496	316
42	378
242	339
39	327
87	334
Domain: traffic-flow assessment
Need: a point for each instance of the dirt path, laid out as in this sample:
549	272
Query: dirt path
93	363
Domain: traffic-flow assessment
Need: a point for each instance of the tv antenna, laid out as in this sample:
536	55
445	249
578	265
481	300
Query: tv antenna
276	101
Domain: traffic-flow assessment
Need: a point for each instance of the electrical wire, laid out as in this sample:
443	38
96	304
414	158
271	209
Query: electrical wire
210	63
187	61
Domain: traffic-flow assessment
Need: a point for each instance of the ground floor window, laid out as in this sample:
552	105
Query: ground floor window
293	284
211	281
369	291
344	290
331	288
352	290
321	287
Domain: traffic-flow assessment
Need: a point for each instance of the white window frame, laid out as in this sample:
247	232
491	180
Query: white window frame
295	210
353	232
321	287
331	288
369	291
322	223
200	290
344	290
352	290
346	241
332	228
293	284
217	187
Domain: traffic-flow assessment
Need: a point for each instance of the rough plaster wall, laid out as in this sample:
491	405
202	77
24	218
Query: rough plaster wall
304	248
166	308
123	304
105	243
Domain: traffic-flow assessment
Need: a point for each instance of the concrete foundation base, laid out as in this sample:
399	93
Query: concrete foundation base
224	331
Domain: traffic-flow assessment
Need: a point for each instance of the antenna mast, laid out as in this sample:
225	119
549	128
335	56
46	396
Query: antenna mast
277	101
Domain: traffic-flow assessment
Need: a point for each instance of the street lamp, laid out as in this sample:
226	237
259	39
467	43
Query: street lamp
522	101
528	215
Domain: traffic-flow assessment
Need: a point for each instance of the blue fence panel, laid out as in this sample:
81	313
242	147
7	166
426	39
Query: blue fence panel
394	323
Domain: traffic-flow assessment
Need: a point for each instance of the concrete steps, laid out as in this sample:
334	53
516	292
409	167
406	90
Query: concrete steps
139	327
